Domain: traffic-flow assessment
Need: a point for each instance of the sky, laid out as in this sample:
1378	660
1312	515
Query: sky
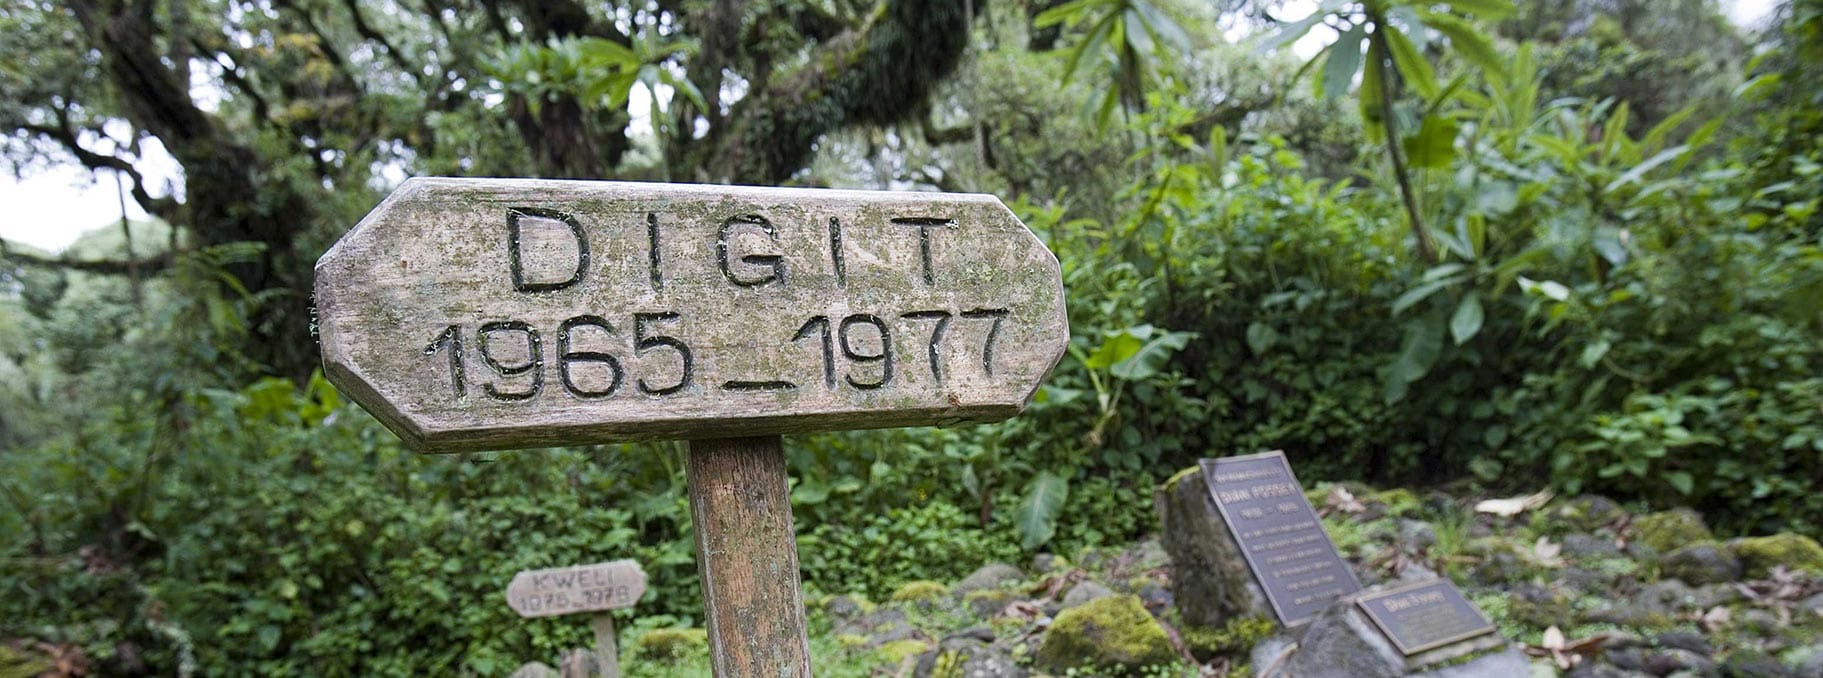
51	206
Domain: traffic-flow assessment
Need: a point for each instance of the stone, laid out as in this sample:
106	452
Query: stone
1805	661
1701	564
844	607
1148	553
1671	530
1794	551
492	314
1747	663
1589	547
1669	661
1416	535
1236	637
986	604
1084	592
966	656
533	670
1210	578
1114	632
882	625
1156	596
1706	597
670	645
579	663
989	576
1585	513
1813	605
919	592
1685	640
1341	642
1596	669
1048	562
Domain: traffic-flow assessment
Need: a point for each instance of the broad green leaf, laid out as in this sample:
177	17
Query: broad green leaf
1423	343
1468	41
1119	346
1411	63
1639	171
1681	481
1486	9
1290	32
1261	337
1434	146
1151	357
1422	292
1037	511
1441	271
1069	12
1370	90
1655	137
1344	61
1163	26
1467	319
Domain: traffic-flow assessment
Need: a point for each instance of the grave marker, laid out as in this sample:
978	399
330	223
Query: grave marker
1280	535
1424	616
487	314
582	588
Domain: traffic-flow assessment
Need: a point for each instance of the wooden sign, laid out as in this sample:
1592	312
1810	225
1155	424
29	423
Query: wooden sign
484	314
1279	533
1424	616
572	590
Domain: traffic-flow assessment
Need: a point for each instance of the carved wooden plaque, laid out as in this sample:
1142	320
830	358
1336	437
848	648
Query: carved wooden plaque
1279	533
479	314
1424	616
582	588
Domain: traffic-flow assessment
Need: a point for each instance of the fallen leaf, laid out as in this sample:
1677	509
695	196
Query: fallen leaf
1513	506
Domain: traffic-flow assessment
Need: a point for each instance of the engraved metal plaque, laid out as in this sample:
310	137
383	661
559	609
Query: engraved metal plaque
1424	616
1279	533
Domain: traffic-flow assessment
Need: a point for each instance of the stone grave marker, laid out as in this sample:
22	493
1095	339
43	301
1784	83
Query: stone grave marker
582	588
1424	616
1279	534
491	314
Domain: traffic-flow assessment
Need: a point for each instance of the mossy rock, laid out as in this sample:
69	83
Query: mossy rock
897	651
1668	531
986	604
1398	501
22	664
920	592
1235	639
1113	634
1584	513
850	640
669	645
1794	551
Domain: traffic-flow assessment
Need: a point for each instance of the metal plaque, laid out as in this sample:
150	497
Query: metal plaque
1279	533
1424	616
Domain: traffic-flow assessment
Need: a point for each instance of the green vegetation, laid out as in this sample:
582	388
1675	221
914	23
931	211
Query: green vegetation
1469	244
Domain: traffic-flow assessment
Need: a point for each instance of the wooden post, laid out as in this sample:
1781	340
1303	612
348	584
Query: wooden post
748	557
607	656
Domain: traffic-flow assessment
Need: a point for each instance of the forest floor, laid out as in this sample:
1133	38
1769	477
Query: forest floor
1582	585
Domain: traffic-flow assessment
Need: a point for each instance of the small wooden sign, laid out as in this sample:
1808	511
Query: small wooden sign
1279	533
1424	616
576	589
487	314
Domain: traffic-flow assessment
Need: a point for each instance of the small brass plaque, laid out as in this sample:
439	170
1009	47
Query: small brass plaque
1424	616
1279	533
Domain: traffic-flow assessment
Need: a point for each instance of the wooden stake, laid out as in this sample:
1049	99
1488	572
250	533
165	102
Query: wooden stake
748	558
607	656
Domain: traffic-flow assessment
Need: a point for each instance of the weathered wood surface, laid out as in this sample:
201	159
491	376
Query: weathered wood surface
747	555
579	588
479	314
